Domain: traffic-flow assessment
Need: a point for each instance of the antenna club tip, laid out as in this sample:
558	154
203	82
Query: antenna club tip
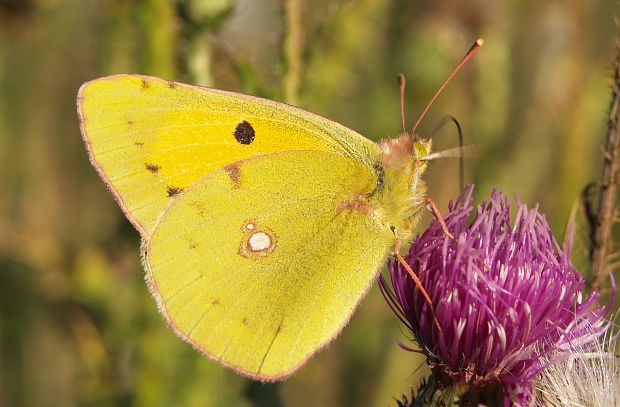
480	42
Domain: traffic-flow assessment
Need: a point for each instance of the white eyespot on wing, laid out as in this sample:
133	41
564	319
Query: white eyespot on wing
259	241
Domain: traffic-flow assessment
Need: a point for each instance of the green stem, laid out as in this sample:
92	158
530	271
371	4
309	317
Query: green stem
199	61
293	50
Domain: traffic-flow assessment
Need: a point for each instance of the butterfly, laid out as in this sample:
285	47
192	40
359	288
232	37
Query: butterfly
262	225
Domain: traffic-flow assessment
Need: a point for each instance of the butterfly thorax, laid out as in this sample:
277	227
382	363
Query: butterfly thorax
400	193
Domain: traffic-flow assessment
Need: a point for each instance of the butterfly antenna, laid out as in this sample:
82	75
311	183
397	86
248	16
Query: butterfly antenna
472	50
459	132
401	82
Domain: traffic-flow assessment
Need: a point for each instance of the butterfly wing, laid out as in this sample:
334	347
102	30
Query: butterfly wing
261	263
150	138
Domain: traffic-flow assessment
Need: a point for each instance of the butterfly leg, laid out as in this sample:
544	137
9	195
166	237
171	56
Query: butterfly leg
417	282
430	204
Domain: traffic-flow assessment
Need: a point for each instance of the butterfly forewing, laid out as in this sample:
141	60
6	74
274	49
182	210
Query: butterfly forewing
150	138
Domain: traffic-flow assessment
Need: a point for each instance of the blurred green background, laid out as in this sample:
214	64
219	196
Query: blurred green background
77	324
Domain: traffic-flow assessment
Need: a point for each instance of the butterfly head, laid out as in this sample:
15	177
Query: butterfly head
401	194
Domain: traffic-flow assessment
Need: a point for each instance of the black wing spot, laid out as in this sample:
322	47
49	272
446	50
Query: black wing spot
139	144
152	167
215	302
172	84
244	133
145	84
173	191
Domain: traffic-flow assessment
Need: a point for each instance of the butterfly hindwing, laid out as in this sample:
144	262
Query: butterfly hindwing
261	263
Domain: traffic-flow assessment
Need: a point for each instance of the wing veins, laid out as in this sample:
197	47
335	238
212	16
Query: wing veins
250	293
288	266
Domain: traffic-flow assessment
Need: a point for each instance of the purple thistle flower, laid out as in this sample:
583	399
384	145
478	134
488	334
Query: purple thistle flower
504	295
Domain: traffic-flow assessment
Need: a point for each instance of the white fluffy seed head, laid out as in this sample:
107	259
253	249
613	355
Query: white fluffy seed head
588	377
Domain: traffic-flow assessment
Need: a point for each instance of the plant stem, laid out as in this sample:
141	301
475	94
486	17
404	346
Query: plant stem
602	243
199	62
293	49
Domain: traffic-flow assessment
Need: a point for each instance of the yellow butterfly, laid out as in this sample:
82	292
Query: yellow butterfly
263	225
